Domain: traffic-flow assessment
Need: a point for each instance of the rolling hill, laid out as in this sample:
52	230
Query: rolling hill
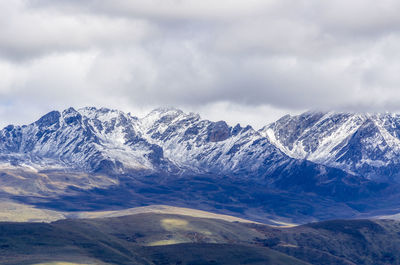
158	238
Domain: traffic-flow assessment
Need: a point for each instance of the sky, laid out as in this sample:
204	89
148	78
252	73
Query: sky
246	62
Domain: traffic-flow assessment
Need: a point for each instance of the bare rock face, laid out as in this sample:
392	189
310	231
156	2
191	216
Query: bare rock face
218	131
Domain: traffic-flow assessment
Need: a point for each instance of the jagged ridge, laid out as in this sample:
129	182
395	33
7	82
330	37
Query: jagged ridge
364	144
166	140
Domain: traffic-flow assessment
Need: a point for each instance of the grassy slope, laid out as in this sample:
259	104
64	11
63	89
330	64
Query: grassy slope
338	241
154	238
129	240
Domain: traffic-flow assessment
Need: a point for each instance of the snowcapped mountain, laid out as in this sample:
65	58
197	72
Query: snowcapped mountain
87	139
298	167
202	145
166	140
364	144
170	141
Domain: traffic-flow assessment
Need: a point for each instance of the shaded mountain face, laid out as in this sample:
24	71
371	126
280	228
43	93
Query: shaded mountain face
362	144
344	242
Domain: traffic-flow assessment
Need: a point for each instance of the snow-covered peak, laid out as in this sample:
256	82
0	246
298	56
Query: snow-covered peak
50	119
103	114
362	143
160	119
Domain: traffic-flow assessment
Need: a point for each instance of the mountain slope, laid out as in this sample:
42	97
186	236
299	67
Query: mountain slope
338	241
88	140
363	144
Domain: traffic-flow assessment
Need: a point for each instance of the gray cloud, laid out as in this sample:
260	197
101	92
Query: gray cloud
231	56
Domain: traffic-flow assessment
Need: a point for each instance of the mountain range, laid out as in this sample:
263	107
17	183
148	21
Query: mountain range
317	165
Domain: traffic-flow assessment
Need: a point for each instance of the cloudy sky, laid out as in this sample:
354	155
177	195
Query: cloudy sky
243	61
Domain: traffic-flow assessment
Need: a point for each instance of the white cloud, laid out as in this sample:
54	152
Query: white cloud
28	33
246	57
